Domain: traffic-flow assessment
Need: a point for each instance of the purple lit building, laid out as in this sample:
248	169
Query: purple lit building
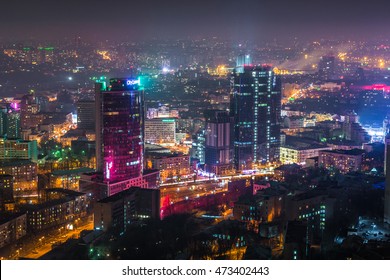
119	129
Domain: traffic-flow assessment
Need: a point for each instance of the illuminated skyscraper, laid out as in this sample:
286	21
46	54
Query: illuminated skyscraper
119	129
255	106
243	60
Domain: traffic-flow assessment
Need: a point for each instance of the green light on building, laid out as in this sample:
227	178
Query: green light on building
46	48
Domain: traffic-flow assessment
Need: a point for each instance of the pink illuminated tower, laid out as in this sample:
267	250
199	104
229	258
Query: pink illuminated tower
119	129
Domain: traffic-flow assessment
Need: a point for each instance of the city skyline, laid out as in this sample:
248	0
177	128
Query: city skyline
197	130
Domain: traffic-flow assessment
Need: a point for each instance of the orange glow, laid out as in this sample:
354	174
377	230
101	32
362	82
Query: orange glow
105	55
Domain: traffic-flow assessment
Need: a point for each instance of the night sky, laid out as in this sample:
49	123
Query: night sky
240	19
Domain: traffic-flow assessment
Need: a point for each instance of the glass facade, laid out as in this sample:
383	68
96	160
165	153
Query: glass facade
121	138
255	106
217	137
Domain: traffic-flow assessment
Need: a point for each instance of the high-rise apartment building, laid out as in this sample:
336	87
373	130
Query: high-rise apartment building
86	115
28	107
218	134
255	105
12	125
119	129
326	67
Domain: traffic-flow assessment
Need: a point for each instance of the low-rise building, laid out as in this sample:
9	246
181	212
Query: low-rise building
266	206
314	206
12	227
6	191
343	160
94	185
25	176
61	207
68	179
297	150
116	212
294	122
160	131
15	149
170	165
285	170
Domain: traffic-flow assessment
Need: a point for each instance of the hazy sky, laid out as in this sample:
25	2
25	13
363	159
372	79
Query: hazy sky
260	19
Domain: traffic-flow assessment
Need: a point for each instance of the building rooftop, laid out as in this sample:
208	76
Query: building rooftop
353	152
6	217
64	191
311	194
150	171
20	162
159	155
125	193
271	192
288	167
342	142
16	140
300	143
119	195
152	148
47	204
74	133
72	171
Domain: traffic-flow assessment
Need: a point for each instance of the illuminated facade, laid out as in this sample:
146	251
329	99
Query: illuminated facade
313	206
171	165
12	228
256	107
18	149
160	131
24	174
12	125
299	155
266	206
6	191
28	107
61	206
119	130
67	179
343	160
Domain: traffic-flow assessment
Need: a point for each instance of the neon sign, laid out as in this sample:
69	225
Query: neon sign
132	82
108	169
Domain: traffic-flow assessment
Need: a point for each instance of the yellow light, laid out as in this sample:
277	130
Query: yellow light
342	56
105	55
381	63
